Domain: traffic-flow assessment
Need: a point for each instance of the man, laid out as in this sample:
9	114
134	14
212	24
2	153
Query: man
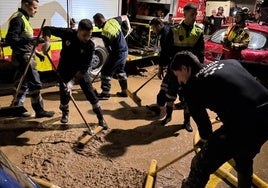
241	103
75	59
20	38
210	23
161	30
186	36
237	37
118	50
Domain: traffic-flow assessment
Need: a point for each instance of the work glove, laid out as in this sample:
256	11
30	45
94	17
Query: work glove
235	45
160	73
36	40
46	48
69	86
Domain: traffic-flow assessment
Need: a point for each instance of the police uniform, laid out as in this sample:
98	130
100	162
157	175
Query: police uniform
182	37
118	51
75	59
241	103
19	37
236	39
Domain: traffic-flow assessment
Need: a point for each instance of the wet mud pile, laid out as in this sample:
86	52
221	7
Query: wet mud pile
57	160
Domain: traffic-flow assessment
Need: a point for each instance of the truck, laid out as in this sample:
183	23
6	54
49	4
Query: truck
142	42
214	5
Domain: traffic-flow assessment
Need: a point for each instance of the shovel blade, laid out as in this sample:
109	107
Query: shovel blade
134	97
12	111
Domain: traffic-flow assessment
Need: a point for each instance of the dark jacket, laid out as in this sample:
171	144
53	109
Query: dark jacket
113	36
226	88
74	56
16	37
164	57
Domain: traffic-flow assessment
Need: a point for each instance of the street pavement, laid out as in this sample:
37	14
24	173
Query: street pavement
114	110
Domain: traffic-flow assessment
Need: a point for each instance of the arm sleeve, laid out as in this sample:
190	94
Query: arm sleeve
200	48
164	57
56	31
200	116
169	44
173	87
15	29
246	39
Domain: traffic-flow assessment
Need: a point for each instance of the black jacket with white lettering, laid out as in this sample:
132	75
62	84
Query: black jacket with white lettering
226	88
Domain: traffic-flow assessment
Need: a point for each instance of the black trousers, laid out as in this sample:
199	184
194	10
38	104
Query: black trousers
238	140
31	83
86	87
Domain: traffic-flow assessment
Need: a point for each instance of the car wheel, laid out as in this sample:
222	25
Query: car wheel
99	58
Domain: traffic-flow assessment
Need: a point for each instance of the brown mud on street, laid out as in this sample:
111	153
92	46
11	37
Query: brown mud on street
119	157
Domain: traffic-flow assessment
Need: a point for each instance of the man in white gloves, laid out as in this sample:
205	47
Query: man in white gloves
75	59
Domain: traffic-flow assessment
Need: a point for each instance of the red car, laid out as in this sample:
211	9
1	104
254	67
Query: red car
254	58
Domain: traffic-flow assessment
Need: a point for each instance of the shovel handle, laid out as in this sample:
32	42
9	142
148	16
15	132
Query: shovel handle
145	83
71	96
175	160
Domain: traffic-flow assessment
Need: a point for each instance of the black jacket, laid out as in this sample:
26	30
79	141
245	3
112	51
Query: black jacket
15	37
75	56
226	88
164	57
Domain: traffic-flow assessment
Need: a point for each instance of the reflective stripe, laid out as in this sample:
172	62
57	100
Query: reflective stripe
236	35
171	97
180	38
111	29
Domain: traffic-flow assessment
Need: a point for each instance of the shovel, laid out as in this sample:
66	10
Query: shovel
72	99
134	95
13	110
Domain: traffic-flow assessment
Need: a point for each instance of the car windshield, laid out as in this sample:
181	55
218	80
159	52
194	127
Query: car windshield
258	39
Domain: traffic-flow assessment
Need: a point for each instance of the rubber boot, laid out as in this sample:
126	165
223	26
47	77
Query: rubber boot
102	122
39	110
123	85
19	101
106	87
65	113
186	122
169	110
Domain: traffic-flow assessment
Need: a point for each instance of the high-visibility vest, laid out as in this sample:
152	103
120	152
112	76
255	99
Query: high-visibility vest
111	29
235	34
28	30
182	40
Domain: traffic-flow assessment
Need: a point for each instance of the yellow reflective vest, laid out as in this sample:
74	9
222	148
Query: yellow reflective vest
28	30
183	39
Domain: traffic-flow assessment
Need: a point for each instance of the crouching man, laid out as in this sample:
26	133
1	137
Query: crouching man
240	102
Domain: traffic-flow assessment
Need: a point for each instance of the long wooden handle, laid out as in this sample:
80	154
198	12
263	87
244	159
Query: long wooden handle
43	183
175	160
71	96
145	83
